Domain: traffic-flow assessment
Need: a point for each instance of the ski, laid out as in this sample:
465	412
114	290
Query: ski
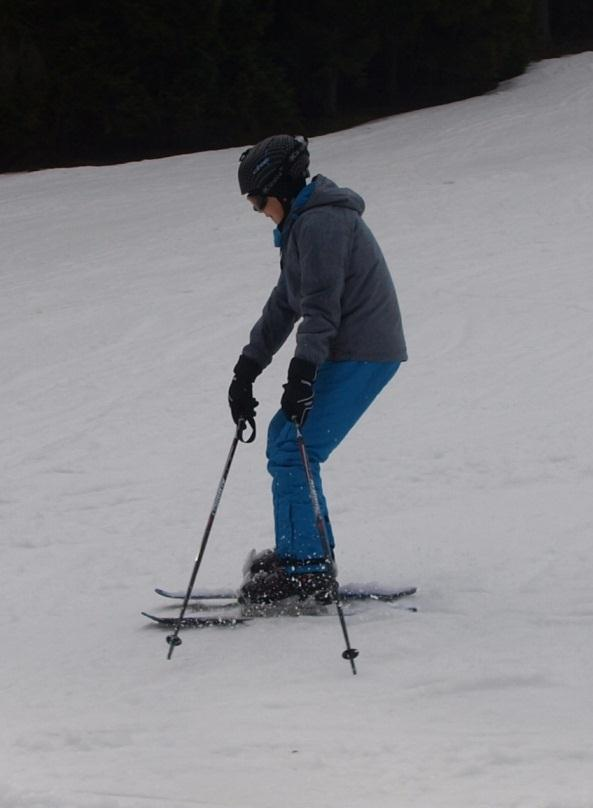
350	592
223	600
215	594
196	622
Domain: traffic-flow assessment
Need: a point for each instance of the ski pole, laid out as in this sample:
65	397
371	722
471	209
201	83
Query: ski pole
350	653
174	639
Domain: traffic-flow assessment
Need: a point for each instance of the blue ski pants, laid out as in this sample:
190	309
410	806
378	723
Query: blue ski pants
343	391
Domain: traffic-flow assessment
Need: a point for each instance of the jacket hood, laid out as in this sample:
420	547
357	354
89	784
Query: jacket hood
326	192
320	191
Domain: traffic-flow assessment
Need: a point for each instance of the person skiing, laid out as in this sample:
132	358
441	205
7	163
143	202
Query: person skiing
349	345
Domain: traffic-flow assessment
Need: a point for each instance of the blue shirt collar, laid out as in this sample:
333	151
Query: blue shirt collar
300	201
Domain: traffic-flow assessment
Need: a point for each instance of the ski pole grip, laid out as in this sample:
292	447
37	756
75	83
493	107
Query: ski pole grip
242	425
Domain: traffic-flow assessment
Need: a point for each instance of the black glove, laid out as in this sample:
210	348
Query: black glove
297	399
241	400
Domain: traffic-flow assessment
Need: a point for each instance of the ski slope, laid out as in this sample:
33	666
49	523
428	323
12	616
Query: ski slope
126	294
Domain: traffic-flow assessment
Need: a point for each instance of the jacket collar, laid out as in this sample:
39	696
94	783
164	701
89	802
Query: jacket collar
281	232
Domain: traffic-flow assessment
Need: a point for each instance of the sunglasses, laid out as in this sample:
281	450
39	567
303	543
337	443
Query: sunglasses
258	202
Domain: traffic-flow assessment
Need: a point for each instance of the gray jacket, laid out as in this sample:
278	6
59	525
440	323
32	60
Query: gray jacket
333	277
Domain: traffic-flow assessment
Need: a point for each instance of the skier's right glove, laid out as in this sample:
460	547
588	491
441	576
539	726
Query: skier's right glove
241	400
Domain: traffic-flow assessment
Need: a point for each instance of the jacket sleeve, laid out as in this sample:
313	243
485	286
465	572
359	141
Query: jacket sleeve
273	328
323	240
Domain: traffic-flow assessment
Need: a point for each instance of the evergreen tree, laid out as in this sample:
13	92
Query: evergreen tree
124	79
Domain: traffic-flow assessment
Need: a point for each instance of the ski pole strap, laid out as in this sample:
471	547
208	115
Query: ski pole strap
242	425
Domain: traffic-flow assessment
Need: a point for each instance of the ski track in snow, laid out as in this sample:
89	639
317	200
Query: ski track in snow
126	294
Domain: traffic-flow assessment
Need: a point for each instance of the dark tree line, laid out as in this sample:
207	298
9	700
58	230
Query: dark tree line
112	80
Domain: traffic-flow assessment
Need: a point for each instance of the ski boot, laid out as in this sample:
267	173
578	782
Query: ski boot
264	561
276	585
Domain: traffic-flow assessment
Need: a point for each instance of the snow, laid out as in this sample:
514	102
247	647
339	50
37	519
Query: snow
126	295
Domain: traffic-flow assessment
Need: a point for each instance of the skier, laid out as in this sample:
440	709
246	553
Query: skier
349	345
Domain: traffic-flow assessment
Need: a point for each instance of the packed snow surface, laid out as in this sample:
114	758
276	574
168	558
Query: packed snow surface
126	296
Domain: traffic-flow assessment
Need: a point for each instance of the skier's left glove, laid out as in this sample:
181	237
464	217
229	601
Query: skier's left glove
298	390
